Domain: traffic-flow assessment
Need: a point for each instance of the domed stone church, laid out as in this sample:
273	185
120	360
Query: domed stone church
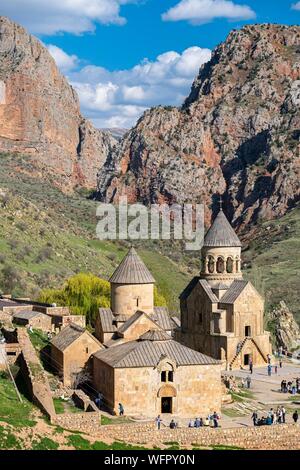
222	314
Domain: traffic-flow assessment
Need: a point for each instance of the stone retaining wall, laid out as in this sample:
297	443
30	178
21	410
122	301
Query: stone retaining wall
267	437
34	375
84	422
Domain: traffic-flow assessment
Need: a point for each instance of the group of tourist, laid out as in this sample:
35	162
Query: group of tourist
273	417
292	387
210	421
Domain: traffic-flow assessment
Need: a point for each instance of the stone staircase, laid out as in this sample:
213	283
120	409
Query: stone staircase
247	338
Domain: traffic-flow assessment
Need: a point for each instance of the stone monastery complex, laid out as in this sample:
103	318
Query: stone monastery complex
144	358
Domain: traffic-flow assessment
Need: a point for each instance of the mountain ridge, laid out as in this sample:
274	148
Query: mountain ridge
237	134
40	114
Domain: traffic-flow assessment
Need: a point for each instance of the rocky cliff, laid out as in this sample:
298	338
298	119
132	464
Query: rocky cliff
40	114
286	329
237	134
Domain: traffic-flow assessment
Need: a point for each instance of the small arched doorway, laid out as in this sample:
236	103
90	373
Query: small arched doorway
167	393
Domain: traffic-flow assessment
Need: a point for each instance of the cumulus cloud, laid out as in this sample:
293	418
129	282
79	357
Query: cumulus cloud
204	11
64	61
117	99
296	6
70	16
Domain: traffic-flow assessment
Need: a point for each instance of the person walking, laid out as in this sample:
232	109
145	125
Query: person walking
283	414
279	415
158	421
216	418
254	418
276	369
121	409
280	363
269	370
248	381
295	416
251	366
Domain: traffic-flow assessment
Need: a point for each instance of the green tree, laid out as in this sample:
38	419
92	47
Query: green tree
83	293
159	299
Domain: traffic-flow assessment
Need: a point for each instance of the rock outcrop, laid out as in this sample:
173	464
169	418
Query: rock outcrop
40	114
237	134
286	329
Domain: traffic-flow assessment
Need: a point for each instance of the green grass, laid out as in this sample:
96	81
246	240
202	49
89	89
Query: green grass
59	406
275	257
231	413
12	411
79	443
38	339
8	440
44	443
105	420
62	406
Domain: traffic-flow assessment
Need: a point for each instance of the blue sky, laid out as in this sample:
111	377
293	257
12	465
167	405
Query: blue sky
124	56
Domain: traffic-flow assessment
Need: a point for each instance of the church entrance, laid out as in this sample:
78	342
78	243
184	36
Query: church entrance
166	405
247	359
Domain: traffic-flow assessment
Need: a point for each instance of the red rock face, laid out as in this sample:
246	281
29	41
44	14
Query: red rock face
40	115
237	134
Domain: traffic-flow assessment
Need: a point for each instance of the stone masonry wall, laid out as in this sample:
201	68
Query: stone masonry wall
34	375
261	438
84	422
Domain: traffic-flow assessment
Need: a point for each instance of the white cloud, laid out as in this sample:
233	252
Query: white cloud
71	16
204	11
117	99
296	6
64	61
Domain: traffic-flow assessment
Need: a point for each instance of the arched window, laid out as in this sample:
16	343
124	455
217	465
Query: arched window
220	265
229	265
211	264
237	265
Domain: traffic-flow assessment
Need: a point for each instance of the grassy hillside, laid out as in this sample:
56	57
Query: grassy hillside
273	259
46	236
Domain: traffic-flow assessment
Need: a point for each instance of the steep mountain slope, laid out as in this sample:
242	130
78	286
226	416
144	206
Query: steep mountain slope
40	115
237	134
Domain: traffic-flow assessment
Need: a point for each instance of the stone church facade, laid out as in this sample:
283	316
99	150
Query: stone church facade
222	315
142	366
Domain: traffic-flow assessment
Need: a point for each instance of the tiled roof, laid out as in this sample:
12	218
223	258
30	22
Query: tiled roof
106	319
28	314
208	290
221	234
132	270
155	335
132	319
68	335
162	317
148	353
233	292
11	303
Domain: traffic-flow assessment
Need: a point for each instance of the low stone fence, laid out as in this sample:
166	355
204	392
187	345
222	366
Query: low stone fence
281	437
34	375
84	422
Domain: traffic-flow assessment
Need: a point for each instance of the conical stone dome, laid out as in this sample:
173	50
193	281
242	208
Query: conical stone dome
221	234
132	270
